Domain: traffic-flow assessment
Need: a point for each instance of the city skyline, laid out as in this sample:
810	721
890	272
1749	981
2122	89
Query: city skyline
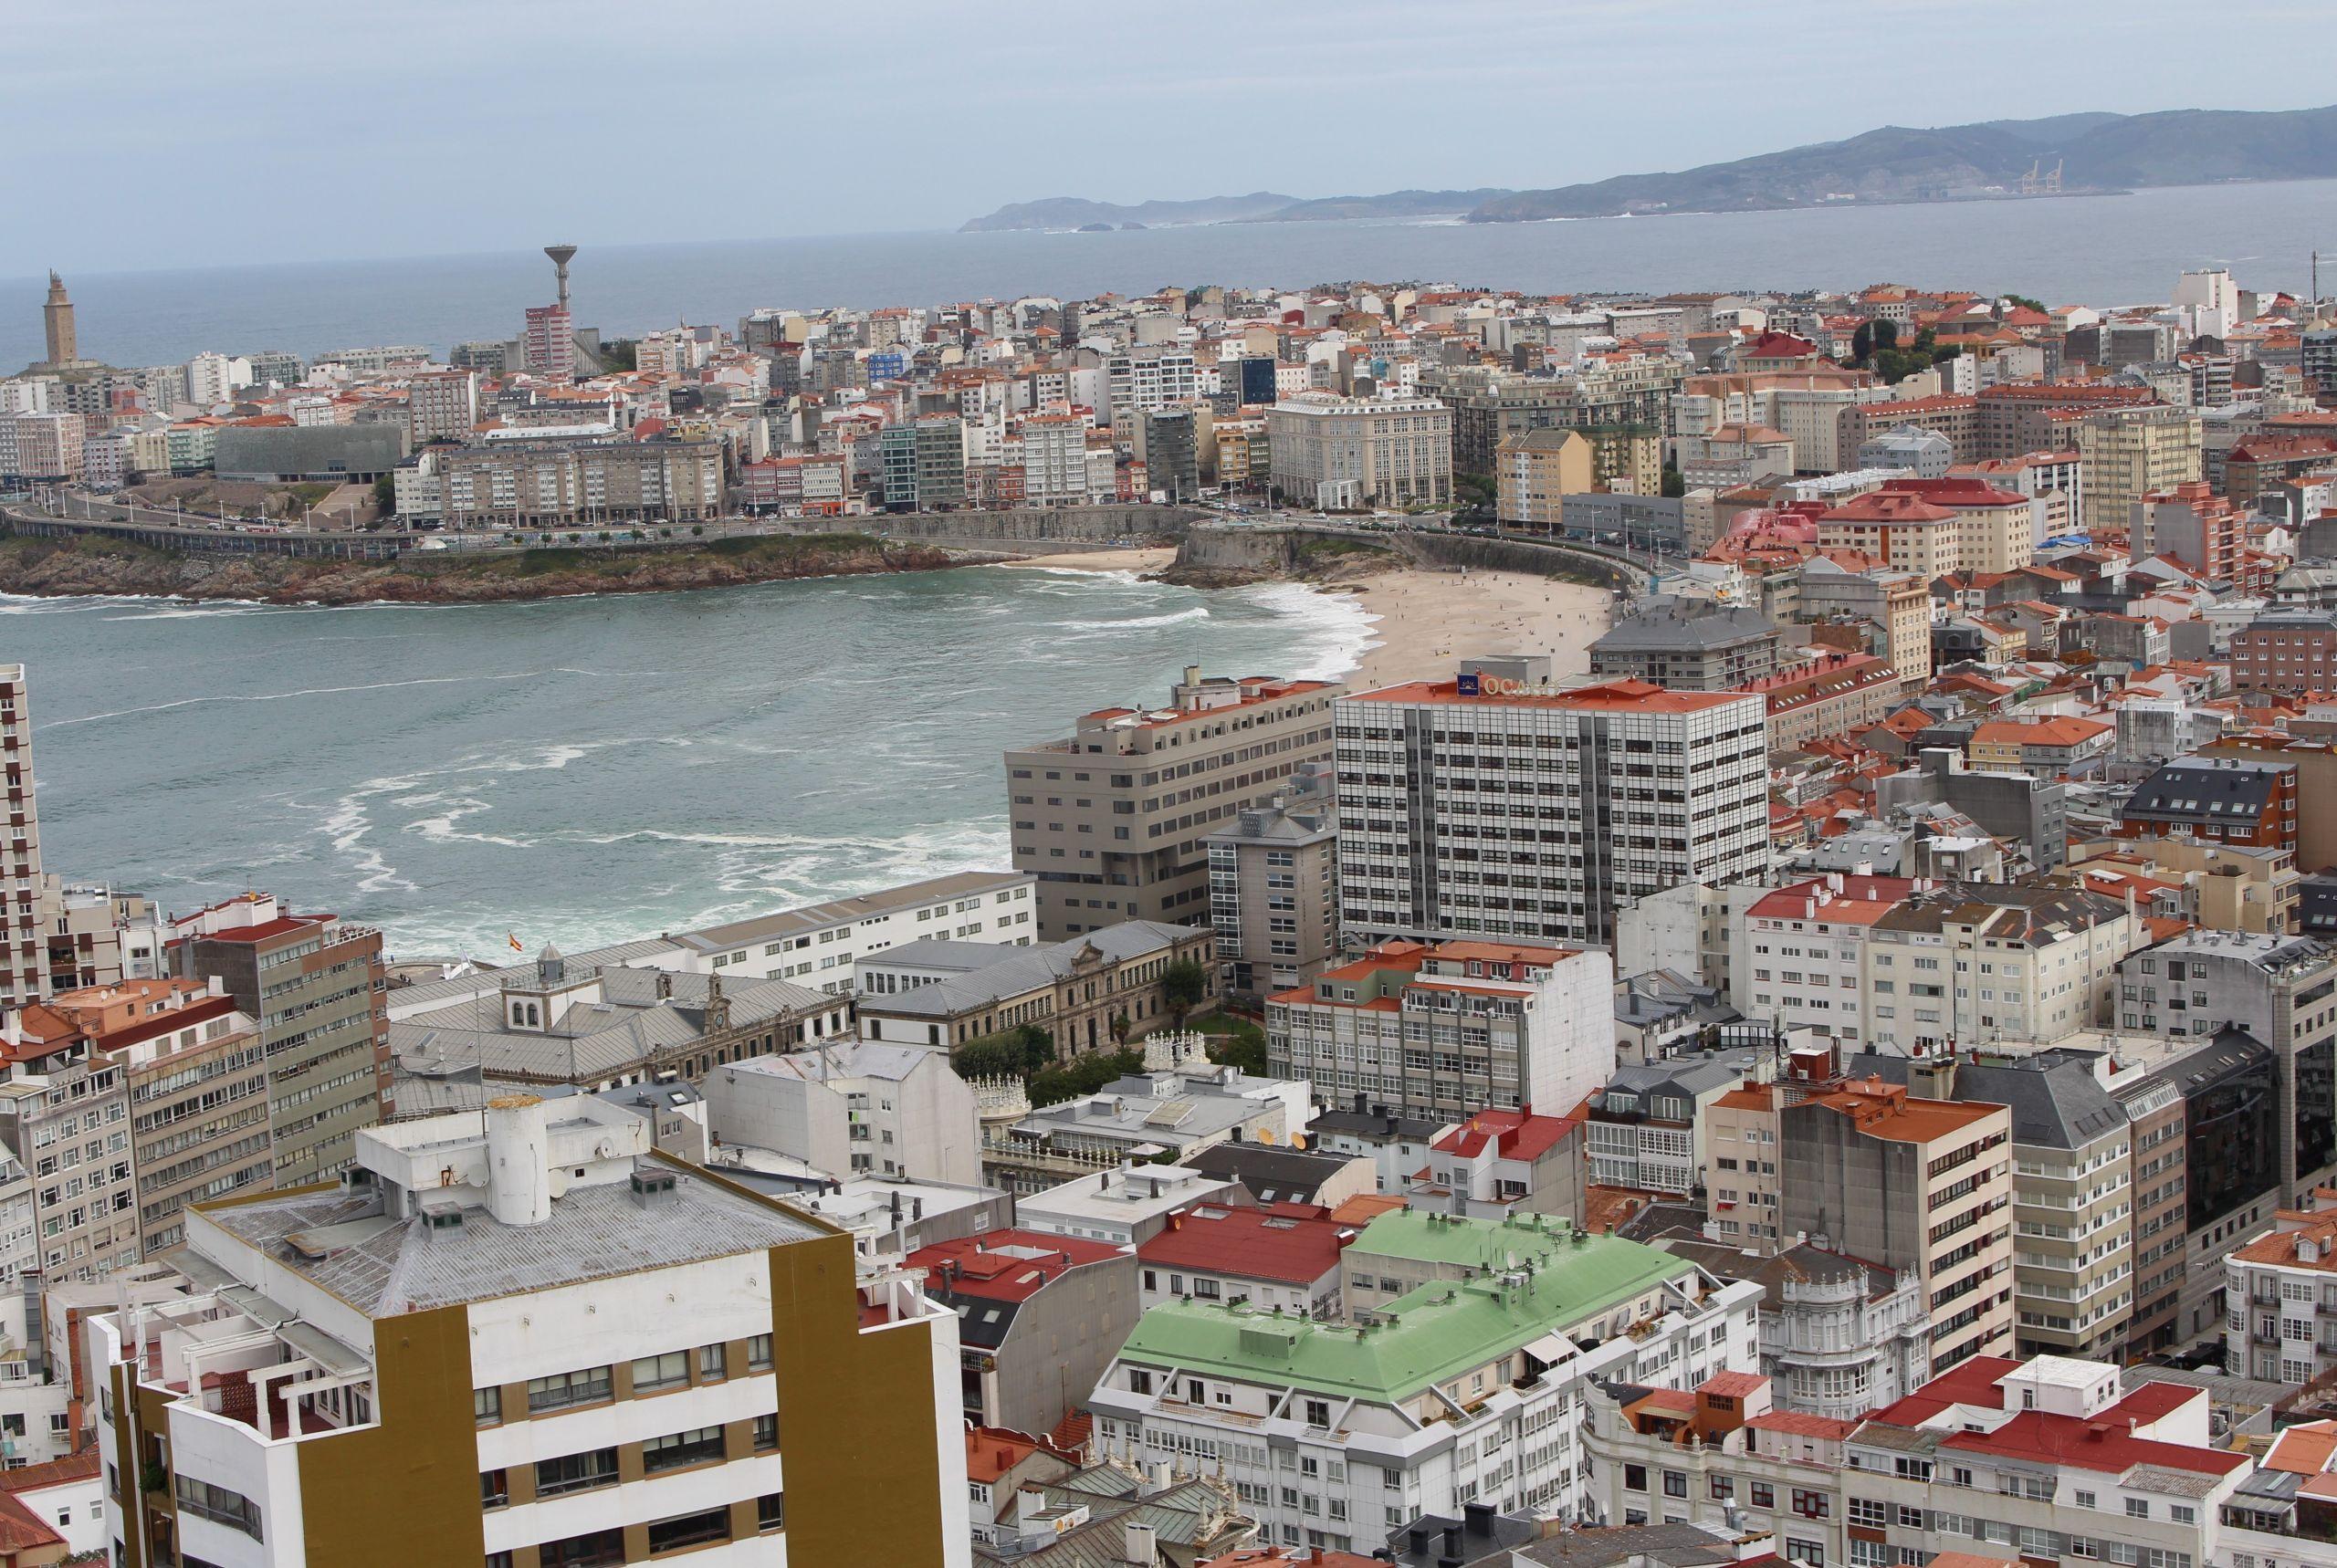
442	160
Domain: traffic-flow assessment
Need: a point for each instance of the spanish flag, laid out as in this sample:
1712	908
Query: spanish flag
517	945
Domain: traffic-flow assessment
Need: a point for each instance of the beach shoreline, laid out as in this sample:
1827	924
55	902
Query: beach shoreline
1425	622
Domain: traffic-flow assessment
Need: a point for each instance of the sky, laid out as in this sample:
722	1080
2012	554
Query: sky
152	135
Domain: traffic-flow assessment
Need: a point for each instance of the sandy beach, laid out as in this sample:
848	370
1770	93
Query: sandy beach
1425	621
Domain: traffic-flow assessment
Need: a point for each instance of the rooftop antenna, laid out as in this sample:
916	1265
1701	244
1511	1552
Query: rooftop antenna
561	255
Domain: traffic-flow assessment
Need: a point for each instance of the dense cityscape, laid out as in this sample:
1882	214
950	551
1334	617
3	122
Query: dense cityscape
1784	1012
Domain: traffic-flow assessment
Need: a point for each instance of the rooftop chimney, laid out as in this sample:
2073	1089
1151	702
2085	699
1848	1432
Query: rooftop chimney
518	1151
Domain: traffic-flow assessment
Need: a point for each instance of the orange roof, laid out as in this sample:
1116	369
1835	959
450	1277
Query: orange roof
1630	696
2063	730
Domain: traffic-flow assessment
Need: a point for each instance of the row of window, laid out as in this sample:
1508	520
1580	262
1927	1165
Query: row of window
595	1385
606	1548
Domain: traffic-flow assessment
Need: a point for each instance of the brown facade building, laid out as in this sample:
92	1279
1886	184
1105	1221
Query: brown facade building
313	984
1113	820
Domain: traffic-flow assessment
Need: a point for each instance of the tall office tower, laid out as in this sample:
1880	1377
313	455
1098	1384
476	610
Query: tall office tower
1115	820
24	958
522	1335
548	346
314	984
1500	805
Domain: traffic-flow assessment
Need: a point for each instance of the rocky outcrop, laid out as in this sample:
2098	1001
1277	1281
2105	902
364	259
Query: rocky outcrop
90	565
1217	557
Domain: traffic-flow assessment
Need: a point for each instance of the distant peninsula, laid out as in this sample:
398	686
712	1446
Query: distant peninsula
2062	154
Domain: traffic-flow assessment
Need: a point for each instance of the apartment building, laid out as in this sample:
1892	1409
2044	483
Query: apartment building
1915	525
1274	898
1146	379
1973	961
1913	1181
1535	471
1831	694
1995	1461
1279	1257
1115	820
65	1115
490	1297
197	1095
2073	1193
1497	1164
2216	797
1459	1392
1495	805
1799	952
24	956
1055	459
442	405
42	447
1645	1128
2290	649
1343	453
2282	991
1839	1337
2132	453
1446	1029
2157	1124
555	484
313	985
853	1107
1039	1318
1689	645
2280	1294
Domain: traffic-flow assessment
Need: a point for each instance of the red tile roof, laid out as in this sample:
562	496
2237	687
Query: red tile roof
981	1270
1287	1243
1514	1134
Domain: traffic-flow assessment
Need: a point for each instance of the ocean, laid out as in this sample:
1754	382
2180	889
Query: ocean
2076	249
592	770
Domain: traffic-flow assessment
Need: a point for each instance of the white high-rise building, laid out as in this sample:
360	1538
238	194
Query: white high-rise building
1498	805
1144	380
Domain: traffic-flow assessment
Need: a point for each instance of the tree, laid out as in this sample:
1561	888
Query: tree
1184	984
1243	1045
2025	303
385	496
1674	484
1120	1026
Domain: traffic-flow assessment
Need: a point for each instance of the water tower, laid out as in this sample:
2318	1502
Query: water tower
561	255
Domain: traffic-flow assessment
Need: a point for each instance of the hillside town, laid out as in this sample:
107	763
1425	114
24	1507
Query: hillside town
1838	1068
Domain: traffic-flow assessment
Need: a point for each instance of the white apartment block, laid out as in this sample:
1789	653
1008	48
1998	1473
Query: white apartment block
2281	1296
1334	1435
1501	807
1474	1024
1144	380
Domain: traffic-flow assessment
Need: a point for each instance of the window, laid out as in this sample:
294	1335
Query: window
700	1446
576	1472
563	1389
219	1505
2182	1513
771	1511
2138	1508
2084	1498
1865	1512
713	1363
1635	1477
494	1491
1812	1504
1140	1382
602	1549
487	1406
1319	1412
653	1372
690	1530
1723	1487
1675	1483
766	1434
758	1354
1764	1495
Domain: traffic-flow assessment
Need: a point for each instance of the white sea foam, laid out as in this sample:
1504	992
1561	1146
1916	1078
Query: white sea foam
1137	623
340	691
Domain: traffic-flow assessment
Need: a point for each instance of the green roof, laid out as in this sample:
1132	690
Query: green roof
1427	1238
1427	1336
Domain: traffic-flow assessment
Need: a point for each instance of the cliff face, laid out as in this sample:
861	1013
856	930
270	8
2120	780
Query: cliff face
93	565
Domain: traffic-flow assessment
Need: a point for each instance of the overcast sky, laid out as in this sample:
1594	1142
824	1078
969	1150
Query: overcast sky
145	134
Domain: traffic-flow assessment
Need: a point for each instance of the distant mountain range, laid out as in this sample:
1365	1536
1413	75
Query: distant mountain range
1895	163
